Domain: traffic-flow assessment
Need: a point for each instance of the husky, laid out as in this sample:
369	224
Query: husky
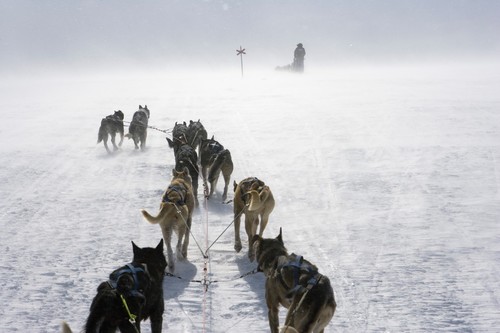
111	125
132	294
186	157
253	198
138	129
176	210
215	159
195	133
179	136
296	284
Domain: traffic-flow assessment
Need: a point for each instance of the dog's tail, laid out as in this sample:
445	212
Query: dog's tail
165	210
65	328
102	131
220	159
257	199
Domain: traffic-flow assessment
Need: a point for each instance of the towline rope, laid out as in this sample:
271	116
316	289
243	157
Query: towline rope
205	281
148	126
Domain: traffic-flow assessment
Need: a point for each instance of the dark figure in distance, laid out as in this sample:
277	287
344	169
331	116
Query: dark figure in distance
298	58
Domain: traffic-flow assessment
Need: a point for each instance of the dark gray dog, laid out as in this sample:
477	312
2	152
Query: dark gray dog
195	133
179	136
111	125
215	159
296	284
138	129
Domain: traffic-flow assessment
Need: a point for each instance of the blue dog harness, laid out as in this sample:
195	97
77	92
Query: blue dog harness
298	267
128	270
179	190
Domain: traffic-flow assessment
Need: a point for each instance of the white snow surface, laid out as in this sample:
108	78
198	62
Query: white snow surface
387	179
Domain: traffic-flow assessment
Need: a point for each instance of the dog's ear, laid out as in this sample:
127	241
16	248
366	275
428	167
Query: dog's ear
254	244
280	238
212	137
159	247
135	248
190	122
255	238
235	185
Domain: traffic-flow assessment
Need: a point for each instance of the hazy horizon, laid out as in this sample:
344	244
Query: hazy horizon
127	34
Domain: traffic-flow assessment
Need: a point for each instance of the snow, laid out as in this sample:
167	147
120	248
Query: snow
387	179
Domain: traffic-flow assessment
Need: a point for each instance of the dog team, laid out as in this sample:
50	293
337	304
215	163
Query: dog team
134	292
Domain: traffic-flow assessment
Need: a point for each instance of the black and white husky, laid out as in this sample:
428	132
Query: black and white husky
111	125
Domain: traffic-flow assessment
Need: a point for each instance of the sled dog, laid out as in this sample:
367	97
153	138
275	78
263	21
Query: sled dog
186	157
111	125
215	159
176	210
195	133
138	129
179	136
132	294
253	198
296	284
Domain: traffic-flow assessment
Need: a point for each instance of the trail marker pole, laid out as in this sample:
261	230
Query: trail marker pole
240	53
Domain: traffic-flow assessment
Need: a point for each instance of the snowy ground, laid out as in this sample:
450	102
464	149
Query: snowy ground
387	181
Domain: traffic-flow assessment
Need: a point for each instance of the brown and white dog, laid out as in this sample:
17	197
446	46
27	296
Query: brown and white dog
253	198
296	284
176	211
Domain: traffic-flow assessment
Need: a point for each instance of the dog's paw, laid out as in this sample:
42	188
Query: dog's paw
181	255
237	246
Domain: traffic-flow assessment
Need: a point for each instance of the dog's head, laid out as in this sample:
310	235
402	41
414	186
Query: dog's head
267	251
179	130
186	157
153	258
145	109
195	126
119	114
183	174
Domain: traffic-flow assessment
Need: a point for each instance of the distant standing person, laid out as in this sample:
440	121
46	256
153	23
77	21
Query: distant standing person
298	58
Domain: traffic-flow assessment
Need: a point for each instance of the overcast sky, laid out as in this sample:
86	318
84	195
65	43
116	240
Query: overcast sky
170	33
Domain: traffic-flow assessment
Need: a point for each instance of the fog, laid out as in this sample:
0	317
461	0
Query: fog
125	35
